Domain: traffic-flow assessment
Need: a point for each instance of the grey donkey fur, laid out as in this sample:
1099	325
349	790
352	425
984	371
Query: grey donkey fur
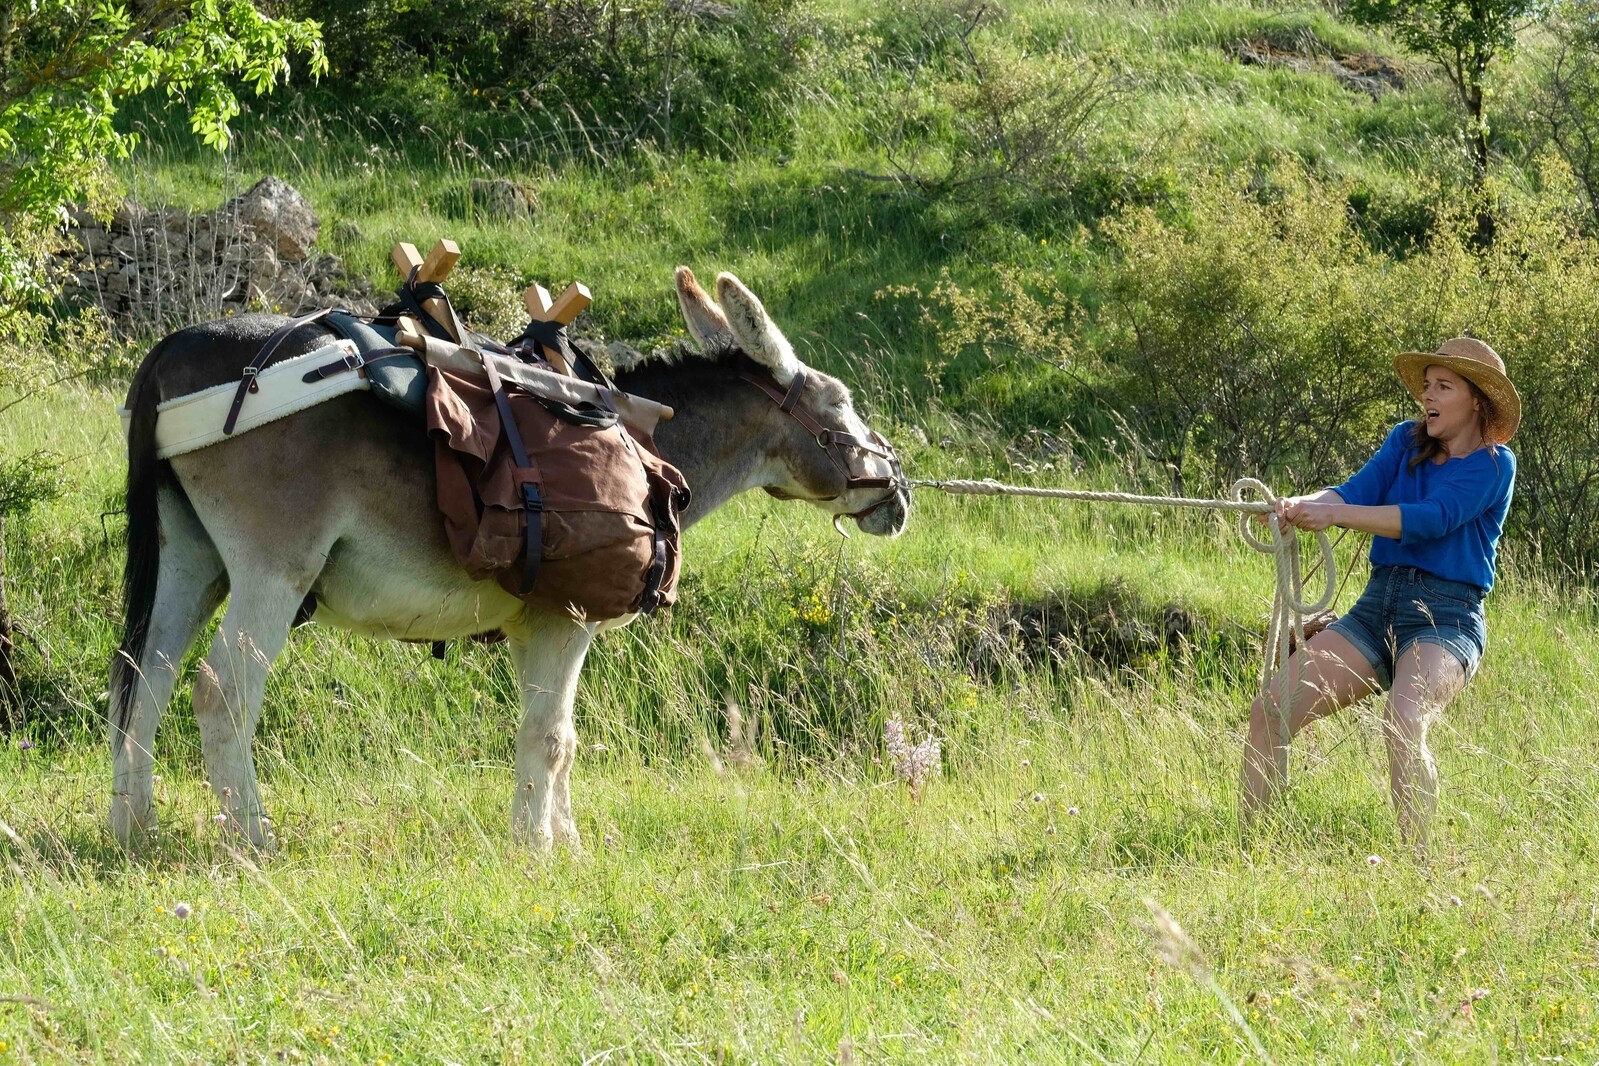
338	501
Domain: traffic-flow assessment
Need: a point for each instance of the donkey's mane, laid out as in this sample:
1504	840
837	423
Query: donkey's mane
669	372
680	352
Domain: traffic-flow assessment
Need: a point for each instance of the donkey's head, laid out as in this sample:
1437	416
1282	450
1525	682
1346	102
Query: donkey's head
819	449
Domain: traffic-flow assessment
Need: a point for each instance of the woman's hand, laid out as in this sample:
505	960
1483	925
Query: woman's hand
1307	513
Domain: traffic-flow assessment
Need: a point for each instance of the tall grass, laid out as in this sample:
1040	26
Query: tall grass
1086	669
807	908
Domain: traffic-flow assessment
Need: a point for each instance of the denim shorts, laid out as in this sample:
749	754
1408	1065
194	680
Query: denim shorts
1403	606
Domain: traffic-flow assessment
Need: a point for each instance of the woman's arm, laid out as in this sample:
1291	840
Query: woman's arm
1326	508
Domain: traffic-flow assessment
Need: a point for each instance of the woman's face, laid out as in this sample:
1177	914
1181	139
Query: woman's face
1448	404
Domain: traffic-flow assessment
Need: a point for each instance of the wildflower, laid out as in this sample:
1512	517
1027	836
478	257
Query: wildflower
1373	860
1177	949
914	763
182	910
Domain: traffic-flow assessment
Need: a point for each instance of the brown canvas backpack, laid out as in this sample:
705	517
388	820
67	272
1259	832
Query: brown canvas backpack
584	519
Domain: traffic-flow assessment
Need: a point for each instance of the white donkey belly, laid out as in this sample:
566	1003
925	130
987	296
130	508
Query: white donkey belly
393	589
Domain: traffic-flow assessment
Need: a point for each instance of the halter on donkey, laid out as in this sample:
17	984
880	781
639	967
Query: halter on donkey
337	502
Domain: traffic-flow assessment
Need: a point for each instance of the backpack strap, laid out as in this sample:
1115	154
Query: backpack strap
532	502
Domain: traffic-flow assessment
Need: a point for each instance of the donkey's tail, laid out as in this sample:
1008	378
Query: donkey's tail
144	538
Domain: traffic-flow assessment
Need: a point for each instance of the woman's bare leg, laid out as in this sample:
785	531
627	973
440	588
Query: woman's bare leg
1331	674
1426	678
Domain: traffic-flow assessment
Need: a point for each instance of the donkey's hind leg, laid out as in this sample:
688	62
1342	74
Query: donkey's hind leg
229	689
190	584
549	650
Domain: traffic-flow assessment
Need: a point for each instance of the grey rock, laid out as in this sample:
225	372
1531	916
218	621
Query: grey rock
503	199
275	211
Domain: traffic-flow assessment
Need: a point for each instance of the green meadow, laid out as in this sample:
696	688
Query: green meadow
758	884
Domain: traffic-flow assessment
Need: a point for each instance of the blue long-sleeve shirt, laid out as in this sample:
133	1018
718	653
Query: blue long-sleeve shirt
1450	513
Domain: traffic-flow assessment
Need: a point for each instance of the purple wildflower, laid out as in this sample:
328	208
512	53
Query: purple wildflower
914	763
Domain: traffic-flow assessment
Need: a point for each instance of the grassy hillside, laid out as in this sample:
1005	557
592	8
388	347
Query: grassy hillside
1086	669
878	83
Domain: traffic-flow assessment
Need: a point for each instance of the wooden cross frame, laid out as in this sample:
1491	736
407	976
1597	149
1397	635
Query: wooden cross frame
436	267
571	303
442	259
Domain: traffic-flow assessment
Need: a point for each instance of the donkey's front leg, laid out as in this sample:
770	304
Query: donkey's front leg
227	698
549	650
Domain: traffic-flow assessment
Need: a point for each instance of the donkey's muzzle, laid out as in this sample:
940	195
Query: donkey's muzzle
886	517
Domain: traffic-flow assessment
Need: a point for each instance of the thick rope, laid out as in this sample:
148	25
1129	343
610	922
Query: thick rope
1288	610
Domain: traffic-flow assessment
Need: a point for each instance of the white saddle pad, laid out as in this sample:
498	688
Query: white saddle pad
187	423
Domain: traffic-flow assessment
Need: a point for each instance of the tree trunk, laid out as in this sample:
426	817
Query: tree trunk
1479	160
9	708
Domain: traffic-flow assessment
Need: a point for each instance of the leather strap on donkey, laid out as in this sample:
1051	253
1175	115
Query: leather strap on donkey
831	441
247	383
532	502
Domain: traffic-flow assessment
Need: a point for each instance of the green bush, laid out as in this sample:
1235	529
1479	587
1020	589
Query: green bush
1257	335
1245	337
695	73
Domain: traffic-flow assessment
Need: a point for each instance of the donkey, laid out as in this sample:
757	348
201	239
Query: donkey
334	506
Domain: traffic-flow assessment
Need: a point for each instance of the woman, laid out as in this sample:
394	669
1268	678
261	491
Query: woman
1434	499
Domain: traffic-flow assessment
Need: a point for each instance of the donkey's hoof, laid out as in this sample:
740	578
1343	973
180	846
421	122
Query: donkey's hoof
249	834
566	836
130	822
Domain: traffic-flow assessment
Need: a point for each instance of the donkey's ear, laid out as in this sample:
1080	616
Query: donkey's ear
705	321
755	331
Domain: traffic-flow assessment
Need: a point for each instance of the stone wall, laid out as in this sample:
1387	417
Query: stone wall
162	267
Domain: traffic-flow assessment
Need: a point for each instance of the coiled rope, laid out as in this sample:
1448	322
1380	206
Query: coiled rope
1289	608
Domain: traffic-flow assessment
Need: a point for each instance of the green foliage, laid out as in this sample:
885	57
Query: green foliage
696	73
1465	35
68	63
28	481
1237	330
488	299
1568	106
985	120
1462	38
66	66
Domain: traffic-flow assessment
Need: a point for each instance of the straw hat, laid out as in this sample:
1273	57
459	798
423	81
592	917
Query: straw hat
1478	364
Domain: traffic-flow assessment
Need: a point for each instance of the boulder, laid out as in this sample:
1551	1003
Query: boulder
503	199
275	211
